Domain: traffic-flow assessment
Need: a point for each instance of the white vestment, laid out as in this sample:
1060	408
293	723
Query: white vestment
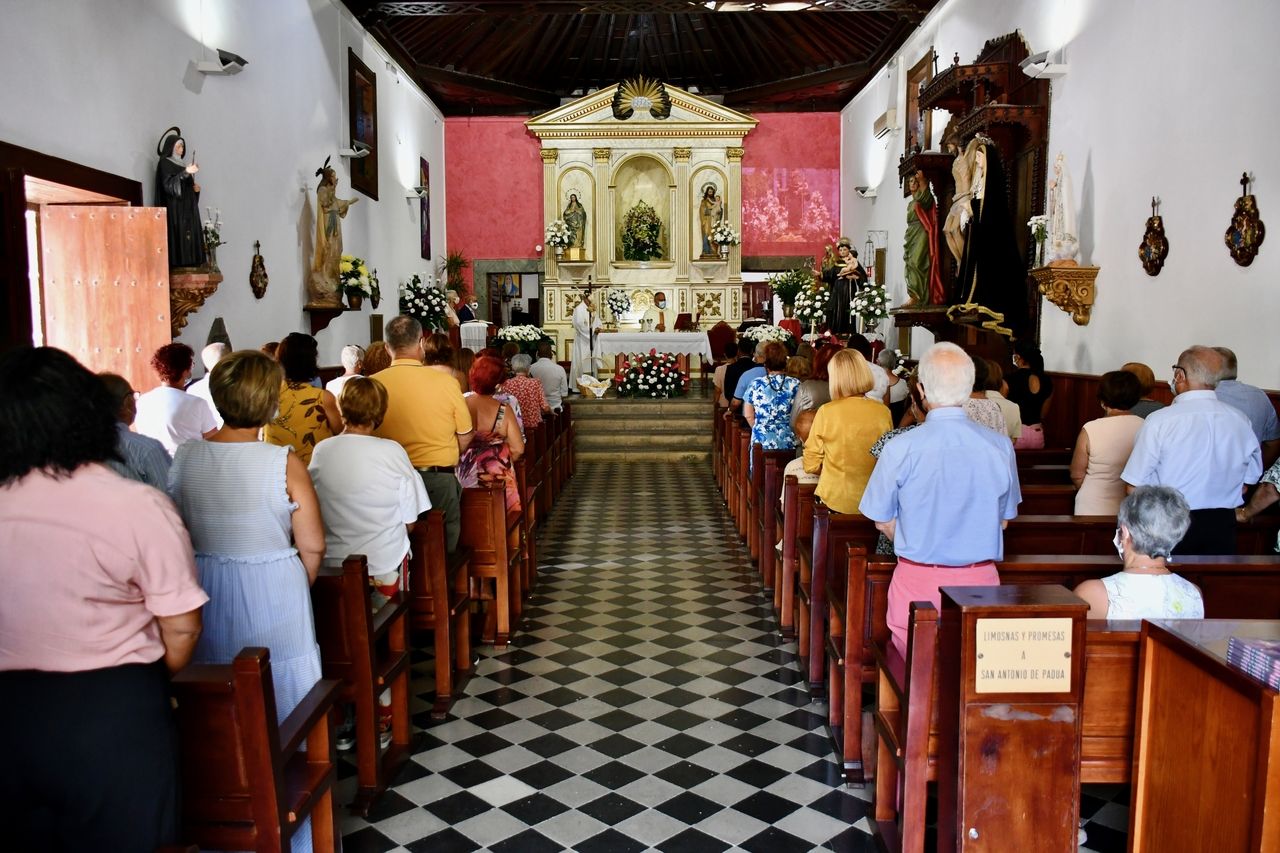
1064	239
585	359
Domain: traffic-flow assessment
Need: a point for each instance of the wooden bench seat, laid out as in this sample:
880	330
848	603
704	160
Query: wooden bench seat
245	783
439	601
1047	499
495	538
367	653
797	518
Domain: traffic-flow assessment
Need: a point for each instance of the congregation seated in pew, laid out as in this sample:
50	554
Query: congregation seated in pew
1104	444
308	415
1151	522
838	448
497	442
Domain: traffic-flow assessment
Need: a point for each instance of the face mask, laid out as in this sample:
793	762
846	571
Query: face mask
662	305
1119	543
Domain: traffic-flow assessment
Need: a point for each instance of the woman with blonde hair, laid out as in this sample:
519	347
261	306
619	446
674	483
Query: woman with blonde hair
838	449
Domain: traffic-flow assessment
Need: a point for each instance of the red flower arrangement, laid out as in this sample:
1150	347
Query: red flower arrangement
653	375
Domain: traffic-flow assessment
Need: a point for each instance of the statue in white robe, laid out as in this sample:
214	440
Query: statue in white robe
586	322
1064	241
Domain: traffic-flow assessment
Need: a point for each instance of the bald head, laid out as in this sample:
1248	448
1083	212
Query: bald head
946	375
1202	367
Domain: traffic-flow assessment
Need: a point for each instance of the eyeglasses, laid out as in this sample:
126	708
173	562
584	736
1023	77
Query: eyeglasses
1179	367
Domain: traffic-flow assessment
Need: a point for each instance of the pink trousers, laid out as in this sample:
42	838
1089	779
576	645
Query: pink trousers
914	582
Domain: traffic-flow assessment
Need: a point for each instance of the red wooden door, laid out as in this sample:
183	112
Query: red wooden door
105	286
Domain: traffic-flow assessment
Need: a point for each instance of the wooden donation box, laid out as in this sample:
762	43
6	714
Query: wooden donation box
1012	669
1206	757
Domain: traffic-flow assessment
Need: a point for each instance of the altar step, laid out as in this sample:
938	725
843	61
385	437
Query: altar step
613	430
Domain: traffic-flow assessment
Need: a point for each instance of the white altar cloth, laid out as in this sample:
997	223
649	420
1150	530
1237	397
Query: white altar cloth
474	335
679	343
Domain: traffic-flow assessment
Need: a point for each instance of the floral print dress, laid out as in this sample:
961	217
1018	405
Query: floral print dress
302	423
771	397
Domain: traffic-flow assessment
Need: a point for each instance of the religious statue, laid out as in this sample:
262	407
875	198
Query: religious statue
710	212
991	286
575	216
844	280
179	194
322	287
961	210
1064	241
924	278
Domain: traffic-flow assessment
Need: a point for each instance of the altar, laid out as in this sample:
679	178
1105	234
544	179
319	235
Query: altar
678	343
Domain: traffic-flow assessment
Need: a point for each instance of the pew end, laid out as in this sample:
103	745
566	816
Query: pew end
439	600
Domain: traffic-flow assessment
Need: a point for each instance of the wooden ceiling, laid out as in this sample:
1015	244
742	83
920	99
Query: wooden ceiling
521	57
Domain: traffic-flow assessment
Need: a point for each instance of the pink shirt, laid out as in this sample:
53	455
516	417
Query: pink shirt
89	561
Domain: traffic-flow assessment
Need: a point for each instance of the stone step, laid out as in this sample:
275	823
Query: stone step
612	408
621	443
648	456
591	426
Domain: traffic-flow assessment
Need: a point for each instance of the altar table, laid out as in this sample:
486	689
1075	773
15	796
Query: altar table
679	343
475	335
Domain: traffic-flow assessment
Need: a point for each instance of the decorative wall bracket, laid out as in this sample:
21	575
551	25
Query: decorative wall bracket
188	290
576	269
1069	286
323	315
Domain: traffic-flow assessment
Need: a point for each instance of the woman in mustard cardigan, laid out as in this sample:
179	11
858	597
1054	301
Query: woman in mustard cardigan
839	445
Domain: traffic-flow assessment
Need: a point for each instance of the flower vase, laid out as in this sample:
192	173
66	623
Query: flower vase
1039	262
788	311
211	257
724	250
559	252
355	300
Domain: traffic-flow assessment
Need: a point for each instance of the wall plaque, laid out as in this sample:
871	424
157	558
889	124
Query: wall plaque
1023	656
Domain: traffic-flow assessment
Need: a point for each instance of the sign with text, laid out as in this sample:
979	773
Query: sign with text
1023	656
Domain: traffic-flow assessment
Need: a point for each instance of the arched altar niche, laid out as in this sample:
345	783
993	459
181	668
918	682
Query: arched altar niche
578	181
643	177
697	187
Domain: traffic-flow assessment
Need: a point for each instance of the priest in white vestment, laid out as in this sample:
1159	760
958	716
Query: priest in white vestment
656	316
586	322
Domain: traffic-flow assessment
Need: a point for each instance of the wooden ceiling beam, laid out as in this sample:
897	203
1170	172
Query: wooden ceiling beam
443	8
838	74
462	80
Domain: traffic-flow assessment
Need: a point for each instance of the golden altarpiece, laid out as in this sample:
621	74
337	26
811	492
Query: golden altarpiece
608	165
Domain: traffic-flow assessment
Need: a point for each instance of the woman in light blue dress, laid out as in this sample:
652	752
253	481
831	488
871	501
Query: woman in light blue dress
767	404
255	525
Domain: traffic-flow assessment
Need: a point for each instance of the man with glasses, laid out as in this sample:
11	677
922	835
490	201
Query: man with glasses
1202	447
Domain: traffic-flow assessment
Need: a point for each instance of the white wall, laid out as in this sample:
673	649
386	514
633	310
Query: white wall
98	82
1164	97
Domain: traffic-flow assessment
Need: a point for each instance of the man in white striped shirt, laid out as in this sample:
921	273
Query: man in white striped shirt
141	458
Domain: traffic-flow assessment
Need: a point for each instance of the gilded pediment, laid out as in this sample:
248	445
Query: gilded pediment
591	116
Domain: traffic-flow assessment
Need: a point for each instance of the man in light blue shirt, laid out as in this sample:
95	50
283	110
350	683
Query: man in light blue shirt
744	381
943	493
1202	447
1255	404
142	458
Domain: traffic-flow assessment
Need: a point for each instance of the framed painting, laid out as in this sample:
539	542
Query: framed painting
424	206
362	109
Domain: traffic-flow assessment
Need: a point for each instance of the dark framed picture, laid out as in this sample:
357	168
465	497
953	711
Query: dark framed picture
362	105
424	205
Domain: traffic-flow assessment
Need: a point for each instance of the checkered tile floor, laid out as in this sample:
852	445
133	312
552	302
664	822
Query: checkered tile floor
647	702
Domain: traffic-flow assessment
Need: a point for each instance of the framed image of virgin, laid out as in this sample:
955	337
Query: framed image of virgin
424	206
362	114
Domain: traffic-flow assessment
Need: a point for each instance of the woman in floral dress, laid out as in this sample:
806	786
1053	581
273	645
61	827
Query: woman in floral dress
497	443
768	399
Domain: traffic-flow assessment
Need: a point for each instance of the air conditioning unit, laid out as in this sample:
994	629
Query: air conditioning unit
886	124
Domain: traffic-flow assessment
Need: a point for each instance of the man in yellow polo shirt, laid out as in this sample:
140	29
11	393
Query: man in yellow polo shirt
427	416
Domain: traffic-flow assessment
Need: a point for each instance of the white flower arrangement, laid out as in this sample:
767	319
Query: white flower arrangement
618	302
1039	226
724	235
521	334
767	333
811	305
871	303
423	302
212	228
653	375
354	276
559	234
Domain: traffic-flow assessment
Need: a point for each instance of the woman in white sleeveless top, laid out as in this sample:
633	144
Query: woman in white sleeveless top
1151	522
1104	445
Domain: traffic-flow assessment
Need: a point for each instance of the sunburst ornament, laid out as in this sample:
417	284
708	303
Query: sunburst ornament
641	93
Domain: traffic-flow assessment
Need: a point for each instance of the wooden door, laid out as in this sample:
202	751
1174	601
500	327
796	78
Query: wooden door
105	286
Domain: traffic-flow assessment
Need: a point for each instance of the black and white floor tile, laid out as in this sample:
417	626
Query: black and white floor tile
647	702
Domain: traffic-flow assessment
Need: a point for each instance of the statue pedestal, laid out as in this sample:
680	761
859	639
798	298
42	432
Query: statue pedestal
189	287
322	315
577	270
1069	286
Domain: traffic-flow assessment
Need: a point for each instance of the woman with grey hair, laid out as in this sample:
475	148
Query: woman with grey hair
1151	522
527	391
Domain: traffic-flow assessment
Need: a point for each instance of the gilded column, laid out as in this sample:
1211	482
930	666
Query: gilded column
603	213
680	249
550	157
733	207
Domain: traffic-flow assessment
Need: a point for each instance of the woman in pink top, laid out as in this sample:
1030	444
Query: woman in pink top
1104	445
100	605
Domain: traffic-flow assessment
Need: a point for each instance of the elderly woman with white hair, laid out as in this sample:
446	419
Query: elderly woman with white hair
1151	522
352	366
527	391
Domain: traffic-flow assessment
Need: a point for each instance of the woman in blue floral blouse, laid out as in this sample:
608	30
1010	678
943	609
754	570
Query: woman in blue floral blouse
767	404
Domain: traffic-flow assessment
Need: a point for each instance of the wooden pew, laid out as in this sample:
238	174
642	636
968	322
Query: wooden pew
245	783
755	500
367	653
528	523
439	602
742	464
1047	499
797	515
1093	534
767	518
1235	587
571	439
494	537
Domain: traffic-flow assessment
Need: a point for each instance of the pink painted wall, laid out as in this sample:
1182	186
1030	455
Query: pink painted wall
790	177
791	184
493	193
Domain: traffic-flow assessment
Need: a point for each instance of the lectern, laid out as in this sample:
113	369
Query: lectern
1011	693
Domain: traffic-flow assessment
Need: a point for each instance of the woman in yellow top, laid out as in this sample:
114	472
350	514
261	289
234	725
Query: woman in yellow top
308	415
839	445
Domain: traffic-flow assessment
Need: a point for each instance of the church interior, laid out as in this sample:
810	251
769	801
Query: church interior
697	287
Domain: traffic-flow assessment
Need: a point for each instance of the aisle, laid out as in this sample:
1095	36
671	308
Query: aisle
646	702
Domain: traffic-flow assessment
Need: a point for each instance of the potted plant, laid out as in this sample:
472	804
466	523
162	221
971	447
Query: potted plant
787	285
641	233
450	269
423	302
355	280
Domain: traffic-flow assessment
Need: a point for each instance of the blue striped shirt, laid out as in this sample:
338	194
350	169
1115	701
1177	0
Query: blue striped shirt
145	459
